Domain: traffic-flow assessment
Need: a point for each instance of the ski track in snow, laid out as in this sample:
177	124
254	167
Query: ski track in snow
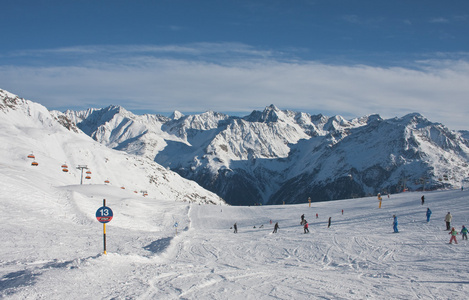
56	251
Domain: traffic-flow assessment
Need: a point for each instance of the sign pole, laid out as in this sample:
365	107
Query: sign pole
104	236
104	214
104	230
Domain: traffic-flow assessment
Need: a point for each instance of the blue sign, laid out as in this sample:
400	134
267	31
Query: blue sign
104	214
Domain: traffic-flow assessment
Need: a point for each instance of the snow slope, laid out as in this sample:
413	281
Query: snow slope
52	247
52	243
29	128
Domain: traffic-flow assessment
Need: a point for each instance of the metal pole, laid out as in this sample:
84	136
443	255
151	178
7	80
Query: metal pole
104	230
81	168
104	235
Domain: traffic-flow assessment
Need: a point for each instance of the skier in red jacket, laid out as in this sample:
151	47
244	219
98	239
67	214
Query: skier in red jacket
306	226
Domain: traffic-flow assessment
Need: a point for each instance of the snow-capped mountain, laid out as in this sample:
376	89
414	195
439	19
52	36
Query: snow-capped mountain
52	140
275	156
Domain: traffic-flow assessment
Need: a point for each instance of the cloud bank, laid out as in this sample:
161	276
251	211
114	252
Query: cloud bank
235	78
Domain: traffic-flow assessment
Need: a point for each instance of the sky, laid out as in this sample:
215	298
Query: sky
331	57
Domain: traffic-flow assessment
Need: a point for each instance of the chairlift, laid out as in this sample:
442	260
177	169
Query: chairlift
31	156
65	170
88	172
34	164
88	177
64	166
106	181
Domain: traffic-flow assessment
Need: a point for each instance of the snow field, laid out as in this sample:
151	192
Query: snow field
52	247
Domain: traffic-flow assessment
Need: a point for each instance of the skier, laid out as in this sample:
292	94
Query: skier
235	226
394	224
448	219
453	236
429	213
302	219
380	199
275	228
342	211
329	222
423	199
317	216
464	232
306	227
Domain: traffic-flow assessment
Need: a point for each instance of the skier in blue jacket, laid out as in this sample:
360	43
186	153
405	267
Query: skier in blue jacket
394	224
429	213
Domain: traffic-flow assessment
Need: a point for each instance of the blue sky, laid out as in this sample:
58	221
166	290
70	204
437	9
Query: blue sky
350	58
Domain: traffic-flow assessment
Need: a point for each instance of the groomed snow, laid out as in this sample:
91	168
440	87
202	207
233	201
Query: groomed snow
52	247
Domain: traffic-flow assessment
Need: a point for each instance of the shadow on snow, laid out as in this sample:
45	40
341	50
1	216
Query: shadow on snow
158	246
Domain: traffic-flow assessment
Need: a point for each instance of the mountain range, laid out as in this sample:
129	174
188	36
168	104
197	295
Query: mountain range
279	156
37	143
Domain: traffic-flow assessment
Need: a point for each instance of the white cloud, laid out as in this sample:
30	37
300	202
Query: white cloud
239	78
439	20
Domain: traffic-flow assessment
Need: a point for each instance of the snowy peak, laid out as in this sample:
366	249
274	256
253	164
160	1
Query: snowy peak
270	114
8	100
176	115
27	127
15	107
185	127
366	120
92	118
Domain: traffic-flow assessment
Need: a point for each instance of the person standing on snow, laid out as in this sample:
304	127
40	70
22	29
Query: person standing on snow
429	213
329	222
306	227
464	232
302	219
380	200
448	219
453	233
275	227
423	199
394	224
235	228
